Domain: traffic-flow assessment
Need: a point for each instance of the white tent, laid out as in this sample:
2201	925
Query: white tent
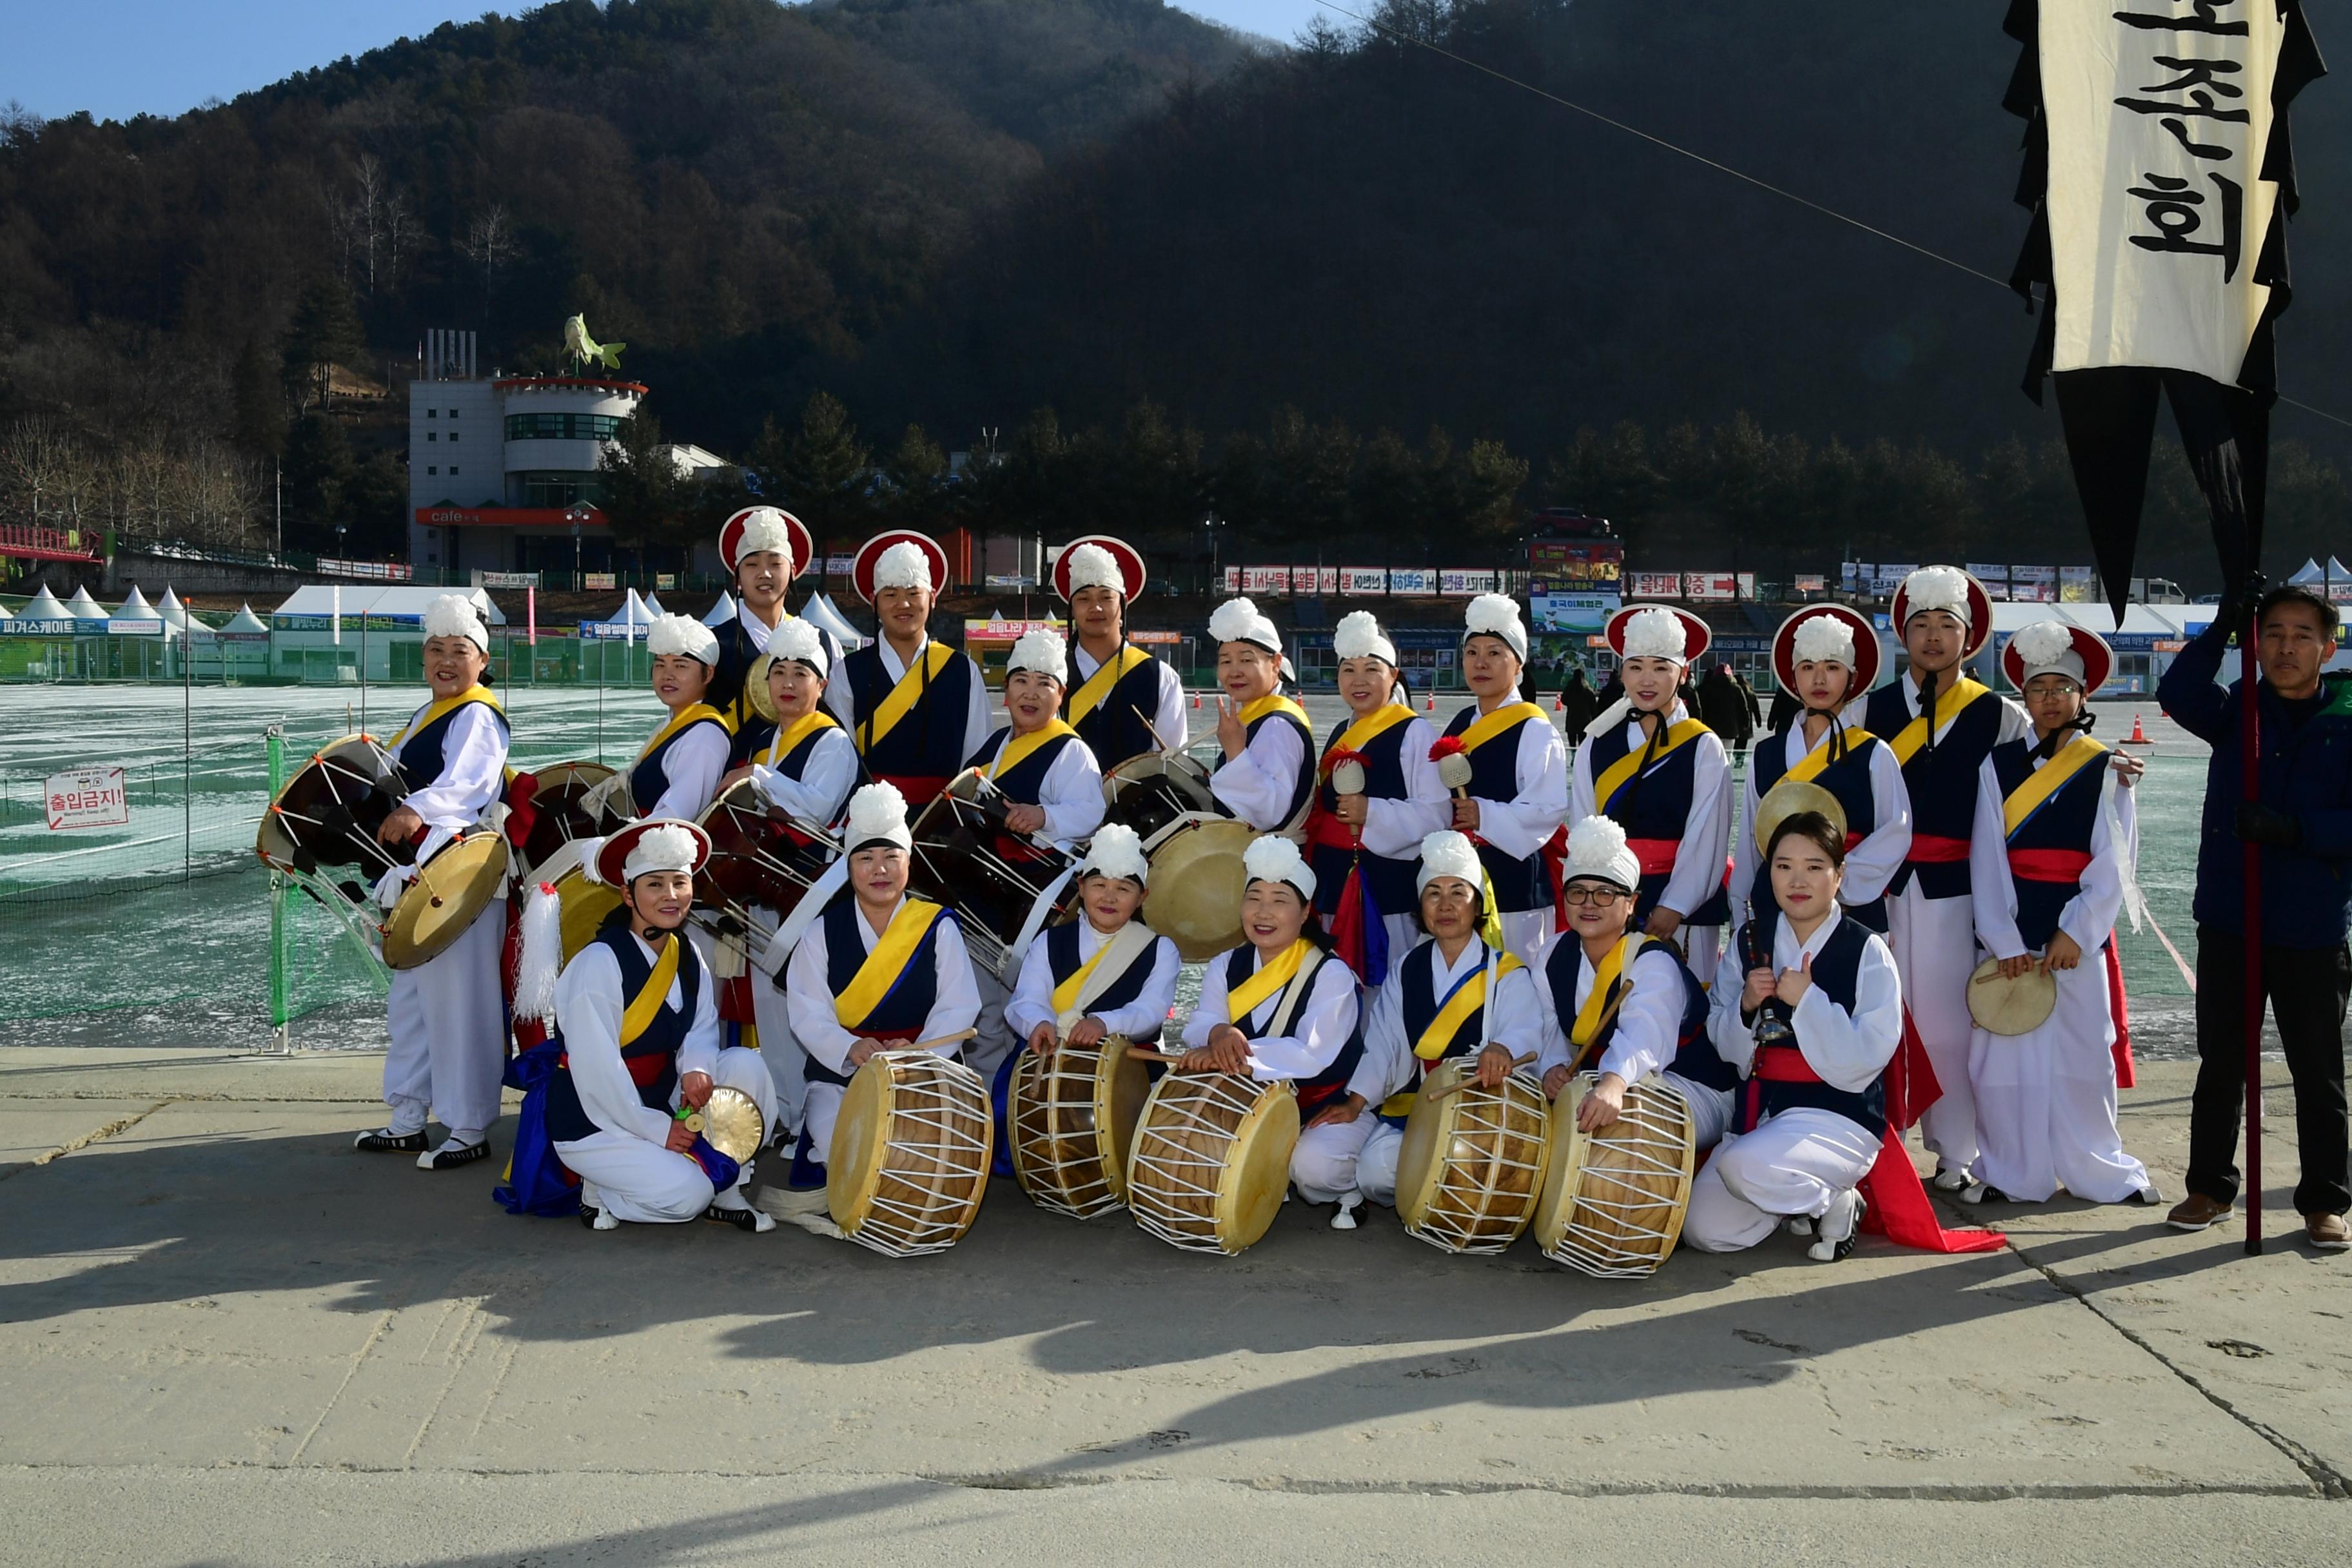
400	604
82	607
174	612
135	608
43	606
4	616
653	604
825	613
246	623
636	611
2308	572
722	612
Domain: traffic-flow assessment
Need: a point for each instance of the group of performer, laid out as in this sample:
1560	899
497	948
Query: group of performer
1410	897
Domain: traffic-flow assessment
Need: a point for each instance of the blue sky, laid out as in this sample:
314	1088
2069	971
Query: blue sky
121	58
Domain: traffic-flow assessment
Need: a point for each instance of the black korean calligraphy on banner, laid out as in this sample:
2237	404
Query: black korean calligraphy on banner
2159	172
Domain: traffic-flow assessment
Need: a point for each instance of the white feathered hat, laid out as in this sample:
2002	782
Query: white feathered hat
2052	647
1446	853
795	638
1239	620
1117	851
654	844
1276	859
877	815
1042	652
1597	848
759	528
1655	631
682	635
1830	634
1359	635
1956	593
455	616
1492	615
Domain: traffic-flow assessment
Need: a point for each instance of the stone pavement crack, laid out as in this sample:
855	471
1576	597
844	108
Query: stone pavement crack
95	1135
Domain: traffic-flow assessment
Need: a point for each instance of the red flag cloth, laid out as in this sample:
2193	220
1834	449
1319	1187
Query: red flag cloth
1555	862
1912	1085
1358	937
2120	1008
522	807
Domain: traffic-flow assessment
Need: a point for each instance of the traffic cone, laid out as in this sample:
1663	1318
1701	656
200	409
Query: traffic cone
2139	737
1433	703
1559	702
1196	699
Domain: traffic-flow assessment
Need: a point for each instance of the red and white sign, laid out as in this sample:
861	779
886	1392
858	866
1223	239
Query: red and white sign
1314	580
1653	585
87	797
1711	584
1363	579
1265	579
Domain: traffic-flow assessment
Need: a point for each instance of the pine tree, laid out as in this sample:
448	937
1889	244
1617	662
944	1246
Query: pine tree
325	330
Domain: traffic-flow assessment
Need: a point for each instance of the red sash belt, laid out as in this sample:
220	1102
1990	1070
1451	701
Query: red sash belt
1328	832
920	789
1934	849
1782	1064
1656	855
1852	840
2048	865
642	1069
1555	863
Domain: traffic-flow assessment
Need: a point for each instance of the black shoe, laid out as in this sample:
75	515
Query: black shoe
384	1141
750	1221
448	1159
588	1217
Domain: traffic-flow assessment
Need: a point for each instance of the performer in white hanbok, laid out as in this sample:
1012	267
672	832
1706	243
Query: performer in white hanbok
1123	701
1514	807
763	548
446	1016
2051	864
1665	776
916	708
1619	1002
1451	996
1266	773
677	772
638	1021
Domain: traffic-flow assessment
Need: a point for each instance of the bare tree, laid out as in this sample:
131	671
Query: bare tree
402	232
489	243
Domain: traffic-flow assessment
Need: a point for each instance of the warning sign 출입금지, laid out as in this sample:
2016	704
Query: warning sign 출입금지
87	797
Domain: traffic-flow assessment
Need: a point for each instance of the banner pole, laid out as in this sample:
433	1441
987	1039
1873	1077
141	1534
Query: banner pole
2250	789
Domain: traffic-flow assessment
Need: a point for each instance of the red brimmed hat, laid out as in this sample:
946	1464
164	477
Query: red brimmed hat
2098	658
1696	634
1979	616
730	538
861	576
610	856
1130	559
1865	647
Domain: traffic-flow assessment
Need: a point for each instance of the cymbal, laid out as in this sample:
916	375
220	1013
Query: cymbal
2011	1007
731	1123
1789	797
446	896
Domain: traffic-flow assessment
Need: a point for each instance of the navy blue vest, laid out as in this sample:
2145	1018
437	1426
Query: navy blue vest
1519	885
1391	881
421	756
1837	970
1306	758
1024	780
908	1003
929	741
2065	821
727	689
1657	805
1241	963
1848	778
1694	1057
1941	779
1062	957
567	1120
649	779
1420	1002
1115	728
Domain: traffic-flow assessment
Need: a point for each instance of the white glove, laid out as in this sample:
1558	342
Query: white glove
391	884
771	785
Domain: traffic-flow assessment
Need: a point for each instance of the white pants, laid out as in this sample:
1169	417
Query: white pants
1710	1108
1792	1164
1702	946
644	1183
448	1027
1935	945
986	1050
1376	1162
779	1049
2045	1102
1527	934
1324	1166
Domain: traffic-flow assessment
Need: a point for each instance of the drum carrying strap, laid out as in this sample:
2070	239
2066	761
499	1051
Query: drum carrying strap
1620	774
2046	781
1250	994
639	1016
693	712
886	963
1914	735
1808	767
902	700
1016	748
1468	995
1108	674
788	739
440	708
1100	972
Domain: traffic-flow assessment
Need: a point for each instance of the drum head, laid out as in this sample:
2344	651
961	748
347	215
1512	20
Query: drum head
754	860
448	894
584	904
2011	1007
560	817
1121	1085
1786	799
1629	1221
1249	1193
330	808
1197	879
731	1123
861	1136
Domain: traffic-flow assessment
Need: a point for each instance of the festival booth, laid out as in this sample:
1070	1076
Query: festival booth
327	633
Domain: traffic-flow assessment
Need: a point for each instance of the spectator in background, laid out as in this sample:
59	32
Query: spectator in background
1725	708
1577	705
1747	694
2302	819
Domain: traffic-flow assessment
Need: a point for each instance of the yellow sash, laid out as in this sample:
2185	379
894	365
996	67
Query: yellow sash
883	966
692	713
1604	977
788	739
1914	735
1493	724
1809	765
1365	731
1621	772
1276	702
1250	994
1017	747
638	1017
1108	674
440	707
902	700
2048	780
1465	1000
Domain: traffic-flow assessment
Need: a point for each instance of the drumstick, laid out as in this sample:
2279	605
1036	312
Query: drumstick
1149	726
959	1037
1146	1054
1466	1079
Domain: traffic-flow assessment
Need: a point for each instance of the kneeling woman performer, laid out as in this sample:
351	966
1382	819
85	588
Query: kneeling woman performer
1279	1006
639	1018
1451	996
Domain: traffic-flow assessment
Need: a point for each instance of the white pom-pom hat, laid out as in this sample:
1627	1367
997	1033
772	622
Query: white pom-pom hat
1827	632
1446	853
655	844
793	639
682	635
1041	652
1359	635
1658	631
1239	620
455	616
1492	615
1099	561
877	815
1596	848
1117	851
758	528
898	558
1276	859
1952	591
2053	648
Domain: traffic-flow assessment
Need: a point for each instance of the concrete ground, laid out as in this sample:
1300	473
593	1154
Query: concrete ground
227	1338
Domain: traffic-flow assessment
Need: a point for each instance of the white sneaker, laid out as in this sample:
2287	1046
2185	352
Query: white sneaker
1345	1219
1840	1223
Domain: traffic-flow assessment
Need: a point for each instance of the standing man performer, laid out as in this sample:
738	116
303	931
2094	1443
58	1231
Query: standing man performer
2302	819
1266	777
916	709
448	1016
1620	1003
1124	701
2051	865
1825	658
677	772
1941	726
764	548
1514	807
1378	830
1663	776
1451	996
1053	798
637	1019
